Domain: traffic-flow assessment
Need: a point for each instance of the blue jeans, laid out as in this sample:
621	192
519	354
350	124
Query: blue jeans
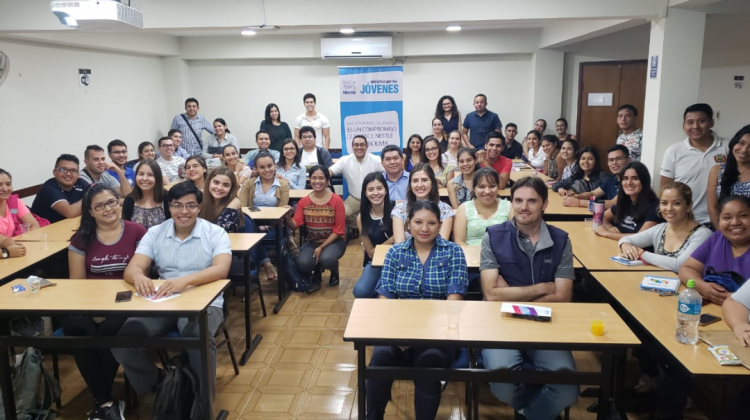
536	402
368	282
426	393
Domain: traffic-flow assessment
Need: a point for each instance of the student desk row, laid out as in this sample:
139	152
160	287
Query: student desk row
242	246
423	323
555	210
73	297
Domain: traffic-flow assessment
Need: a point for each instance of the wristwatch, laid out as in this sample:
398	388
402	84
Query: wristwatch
6	254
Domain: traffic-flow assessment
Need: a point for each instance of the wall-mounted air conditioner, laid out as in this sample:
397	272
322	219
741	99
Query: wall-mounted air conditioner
373	48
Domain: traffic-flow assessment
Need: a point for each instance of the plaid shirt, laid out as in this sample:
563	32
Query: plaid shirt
189	142
404	277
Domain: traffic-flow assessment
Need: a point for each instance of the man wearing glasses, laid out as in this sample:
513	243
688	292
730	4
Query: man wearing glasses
618	157
60	197
188	252
118	153
171	166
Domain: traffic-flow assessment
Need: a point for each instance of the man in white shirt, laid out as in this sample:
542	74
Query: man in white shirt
95	171
630	136
355	167
315	120
689	161
172	167
310	154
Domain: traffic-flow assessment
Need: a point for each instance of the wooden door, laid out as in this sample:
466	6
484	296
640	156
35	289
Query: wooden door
626	81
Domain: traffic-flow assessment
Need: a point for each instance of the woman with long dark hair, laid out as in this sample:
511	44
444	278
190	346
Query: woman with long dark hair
278	130
536	154
289	168
459	189
432	156
214	146
561	127
231	159
220	203
636	206
422	186
412	152
549	146
196	170
731	177
566	159
374	221
448	113
450	156
100	249
424	267
147	204
482	211
588	176
440	134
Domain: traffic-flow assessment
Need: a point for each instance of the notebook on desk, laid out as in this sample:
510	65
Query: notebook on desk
660	284
626	262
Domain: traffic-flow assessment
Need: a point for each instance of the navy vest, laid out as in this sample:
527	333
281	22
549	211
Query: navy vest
516	267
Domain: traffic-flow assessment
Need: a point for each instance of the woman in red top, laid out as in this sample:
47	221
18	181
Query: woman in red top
100	249
323	213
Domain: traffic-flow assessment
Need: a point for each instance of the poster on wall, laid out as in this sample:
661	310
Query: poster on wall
371	105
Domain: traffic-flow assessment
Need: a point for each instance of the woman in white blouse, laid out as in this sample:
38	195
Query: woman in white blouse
536	155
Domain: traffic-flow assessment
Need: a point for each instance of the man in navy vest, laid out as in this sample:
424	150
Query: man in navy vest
526	260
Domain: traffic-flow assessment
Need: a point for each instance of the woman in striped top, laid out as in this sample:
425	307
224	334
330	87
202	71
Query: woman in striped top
323	213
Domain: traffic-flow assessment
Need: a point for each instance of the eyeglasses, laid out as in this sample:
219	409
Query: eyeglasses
180	206
617	159
431	149
112	203
167	146
120	152
67	171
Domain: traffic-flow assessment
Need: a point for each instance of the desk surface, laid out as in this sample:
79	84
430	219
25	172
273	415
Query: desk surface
297	194
266	213
34	253
658	315
594	251
245	241
98	296
397	321
525	172
56	232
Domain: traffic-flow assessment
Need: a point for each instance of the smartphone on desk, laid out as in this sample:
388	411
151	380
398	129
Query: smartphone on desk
123	296
708	319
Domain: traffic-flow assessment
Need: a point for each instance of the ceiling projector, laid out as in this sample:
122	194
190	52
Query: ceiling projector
98	15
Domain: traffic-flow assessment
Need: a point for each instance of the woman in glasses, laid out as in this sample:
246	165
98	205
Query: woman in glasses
100	249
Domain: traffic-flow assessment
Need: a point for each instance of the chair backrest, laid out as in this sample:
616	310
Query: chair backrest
249	225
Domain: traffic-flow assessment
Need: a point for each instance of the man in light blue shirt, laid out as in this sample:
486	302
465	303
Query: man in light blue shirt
188	252
191	125
397	178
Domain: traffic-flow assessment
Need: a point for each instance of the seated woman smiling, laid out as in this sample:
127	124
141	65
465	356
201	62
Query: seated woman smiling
426	266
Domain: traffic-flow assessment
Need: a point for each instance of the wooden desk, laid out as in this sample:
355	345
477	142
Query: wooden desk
471	253
423	323
658	316
56	232
273	216
523	173
295	195
96	298
594	251
242	246
556	211
444	193
10	267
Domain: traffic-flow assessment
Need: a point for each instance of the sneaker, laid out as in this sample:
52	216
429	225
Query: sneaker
334	279
116	411
96	412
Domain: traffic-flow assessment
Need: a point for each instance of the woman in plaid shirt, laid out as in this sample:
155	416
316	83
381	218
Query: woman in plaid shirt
424	266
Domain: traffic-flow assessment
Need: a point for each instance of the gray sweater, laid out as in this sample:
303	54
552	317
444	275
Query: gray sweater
651	238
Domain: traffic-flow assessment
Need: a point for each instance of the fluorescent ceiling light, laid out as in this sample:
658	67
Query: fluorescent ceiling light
347	31
453	28
248	32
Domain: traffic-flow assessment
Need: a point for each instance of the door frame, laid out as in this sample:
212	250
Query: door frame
580	82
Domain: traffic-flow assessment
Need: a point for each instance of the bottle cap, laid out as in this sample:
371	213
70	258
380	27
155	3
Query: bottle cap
691	284
593	197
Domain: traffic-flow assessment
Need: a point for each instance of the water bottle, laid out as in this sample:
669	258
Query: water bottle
591	203
688	314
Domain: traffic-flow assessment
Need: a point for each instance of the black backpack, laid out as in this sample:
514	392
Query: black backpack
178	396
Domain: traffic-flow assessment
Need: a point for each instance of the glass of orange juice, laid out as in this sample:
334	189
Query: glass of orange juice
597	323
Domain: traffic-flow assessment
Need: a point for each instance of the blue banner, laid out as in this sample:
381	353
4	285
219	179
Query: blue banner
371	105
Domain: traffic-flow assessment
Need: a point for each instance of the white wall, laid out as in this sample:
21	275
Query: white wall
239	90
44	112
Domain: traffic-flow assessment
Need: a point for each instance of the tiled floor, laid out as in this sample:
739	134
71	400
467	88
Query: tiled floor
302	368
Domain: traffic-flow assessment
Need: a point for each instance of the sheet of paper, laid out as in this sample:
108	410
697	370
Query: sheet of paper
161	299
531	310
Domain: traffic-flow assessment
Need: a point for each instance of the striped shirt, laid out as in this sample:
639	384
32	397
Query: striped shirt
405	277
174	170
321	220
189	142
176	258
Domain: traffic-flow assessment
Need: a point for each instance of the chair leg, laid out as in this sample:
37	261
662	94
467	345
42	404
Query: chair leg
231	350
56	373
566	414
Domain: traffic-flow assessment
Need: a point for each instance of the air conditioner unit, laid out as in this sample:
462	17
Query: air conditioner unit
98	15
372	48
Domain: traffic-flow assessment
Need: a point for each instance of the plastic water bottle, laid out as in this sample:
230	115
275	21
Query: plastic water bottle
688	314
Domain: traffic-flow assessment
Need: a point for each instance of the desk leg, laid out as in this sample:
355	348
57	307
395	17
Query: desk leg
250	343
605	389
207	388
6	383
361	370
280	230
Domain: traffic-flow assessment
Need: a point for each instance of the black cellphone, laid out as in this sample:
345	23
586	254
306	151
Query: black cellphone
123	296
254	208
708	319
